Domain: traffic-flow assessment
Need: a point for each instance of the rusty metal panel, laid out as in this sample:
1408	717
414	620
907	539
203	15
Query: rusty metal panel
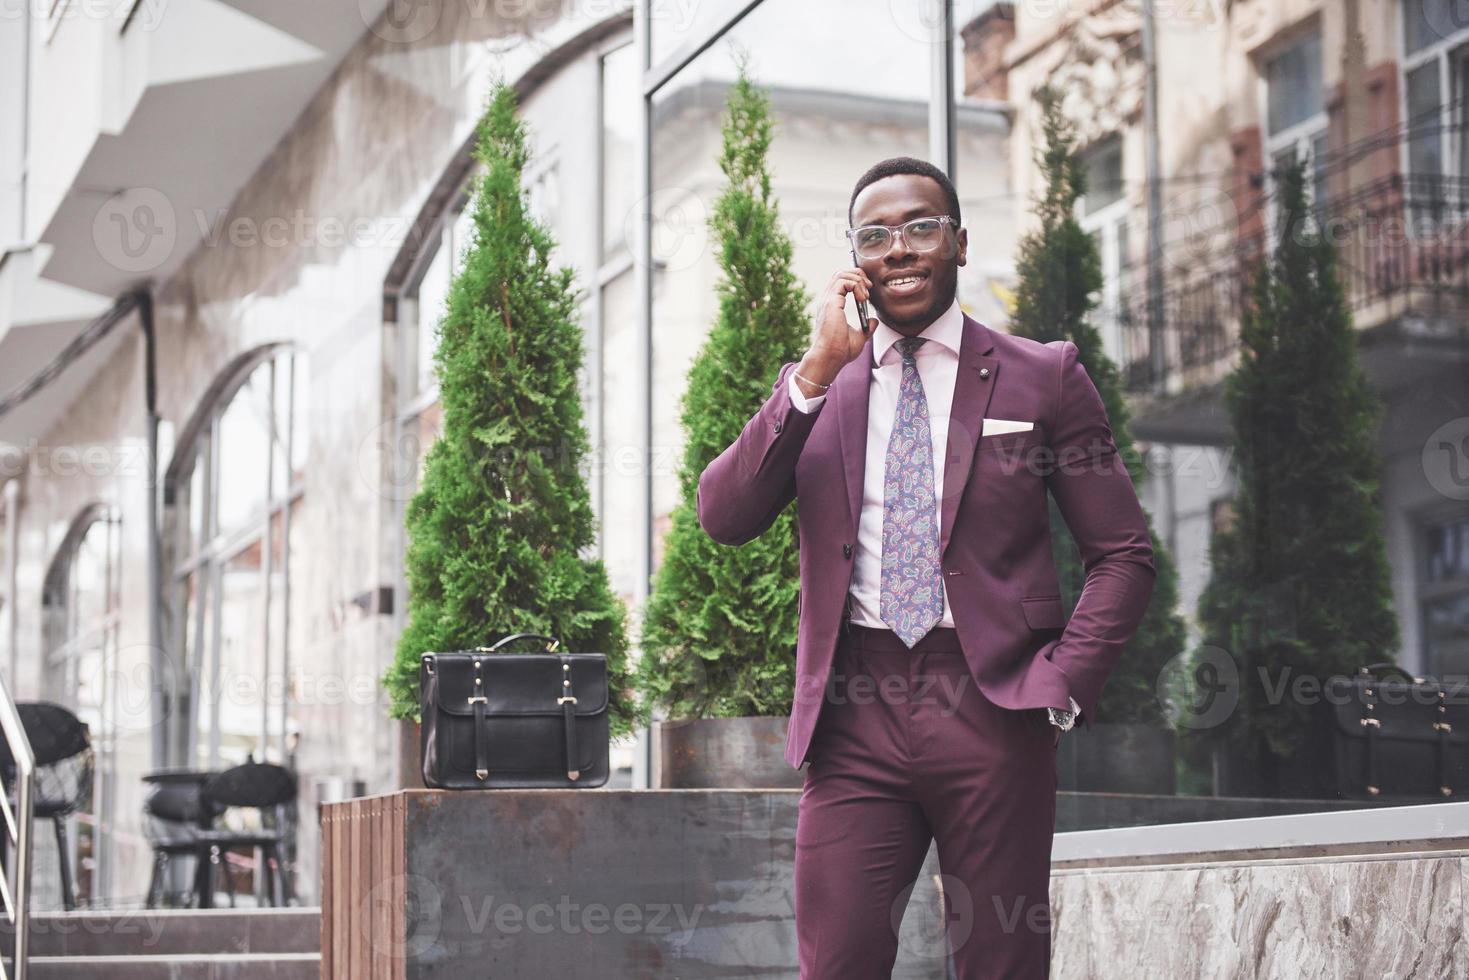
579	883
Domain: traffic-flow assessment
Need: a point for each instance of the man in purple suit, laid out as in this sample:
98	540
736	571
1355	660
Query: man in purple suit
935	674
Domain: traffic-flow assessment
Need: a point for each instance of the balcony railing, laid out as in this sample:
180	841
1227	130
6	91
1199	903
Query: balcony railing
1402	246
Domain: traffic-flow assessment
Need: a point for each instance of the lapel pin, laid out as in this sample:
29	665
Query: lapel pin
984	372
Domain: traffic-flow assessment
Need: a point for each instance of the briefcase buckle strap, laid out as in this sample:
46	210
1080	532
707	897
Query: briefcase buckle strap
1443	728
481	738
566	700
481	734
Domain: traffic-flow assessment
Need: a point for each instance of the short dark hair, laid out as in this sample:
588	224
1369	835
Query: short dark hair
893	166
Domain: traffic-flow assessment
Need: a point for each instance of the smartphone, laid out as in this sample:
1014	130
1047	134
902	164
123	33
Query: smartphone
861	306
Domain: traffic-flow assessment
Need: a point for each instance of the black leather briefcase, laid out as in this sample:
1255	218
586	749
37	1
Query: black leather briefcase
497	720
1399	736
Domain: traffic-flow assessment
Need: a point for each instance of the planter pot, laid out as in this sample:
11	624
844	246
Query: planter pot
1116	758
723	753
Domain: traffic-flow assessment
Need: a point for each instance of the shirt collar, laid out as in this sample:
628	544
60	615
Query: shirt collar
946	330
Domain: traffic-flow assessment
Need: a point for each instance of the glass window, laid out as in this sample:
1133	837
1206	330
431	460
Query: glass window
81	616
1104	213
543	198
1436	86
1446	635
1103	176
1427	22
674	24
240	484
1296	119
1448	552
246	428
420	313
1425	142
618	455
1293	79
1446	598
620	100
430	305
835	113
1457	120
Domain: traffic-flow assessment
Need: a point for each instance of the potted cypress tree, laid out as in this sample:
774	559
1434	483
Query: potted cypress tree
502	522
719	629
1129	748
1300	584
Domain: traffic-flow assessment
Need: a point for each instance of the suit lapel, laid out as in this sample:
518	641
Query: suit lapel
849	393
972	391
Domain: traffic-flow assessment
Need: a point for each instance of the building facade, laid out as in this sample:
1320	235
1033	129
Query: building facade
1371	94
222	267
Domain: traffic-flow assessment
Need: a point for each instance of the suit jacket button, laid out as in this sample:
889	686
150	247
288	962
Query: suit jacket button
846	551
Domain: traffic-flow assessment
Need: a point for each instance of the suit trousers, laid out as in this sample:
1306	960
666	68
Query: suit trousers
906	751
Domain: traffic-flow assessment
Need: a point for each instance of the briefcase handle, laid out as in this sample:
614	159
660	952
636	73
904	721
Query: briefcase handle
551	642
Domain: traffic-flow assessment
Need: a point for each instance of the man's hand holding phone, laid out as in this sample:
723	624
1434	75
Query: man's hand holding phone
834	339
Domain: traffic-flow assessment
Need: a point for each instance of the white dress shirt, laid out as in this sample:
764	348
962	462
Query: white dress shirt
938	366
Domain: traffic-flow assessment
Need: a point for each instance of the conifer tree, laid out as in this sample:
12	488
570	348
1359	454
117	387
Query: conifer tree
1300	580
1059	276
719	631
501	523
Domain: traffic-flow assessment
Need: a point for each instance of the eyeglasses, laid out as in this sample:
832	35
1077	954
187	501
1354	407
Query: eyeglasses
920	235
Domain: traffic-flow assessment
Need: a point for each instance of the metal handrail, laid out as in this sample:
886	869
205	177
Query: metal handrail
15	884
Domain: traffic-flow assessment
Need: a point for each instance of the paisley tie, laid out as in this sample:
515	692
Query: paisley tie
912	597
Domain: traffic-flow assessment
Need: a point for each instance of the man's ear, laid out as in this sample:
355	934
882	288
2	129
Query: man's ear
963	240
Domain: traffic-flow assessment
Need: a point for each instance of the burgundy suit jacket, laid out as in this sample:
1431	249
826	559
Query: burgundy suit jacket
995	525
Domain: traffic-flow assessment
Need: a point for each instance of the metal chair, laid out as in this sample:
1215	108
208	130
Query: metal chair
175	817
270	791
64	766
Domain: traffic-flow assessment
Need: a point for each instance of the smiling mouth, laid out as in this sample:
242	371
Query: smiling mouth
903	285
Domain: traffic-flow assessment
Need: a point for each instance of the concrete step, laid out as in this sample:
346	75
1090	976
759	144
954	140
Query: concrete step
232	966
176	932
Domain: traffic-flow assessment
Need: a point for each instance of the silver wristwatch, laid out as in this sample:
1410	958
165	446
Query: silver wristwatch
1062	718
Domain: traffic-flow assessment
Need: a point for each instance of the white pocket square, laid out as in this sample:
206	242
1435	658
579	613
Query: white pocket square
995	427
